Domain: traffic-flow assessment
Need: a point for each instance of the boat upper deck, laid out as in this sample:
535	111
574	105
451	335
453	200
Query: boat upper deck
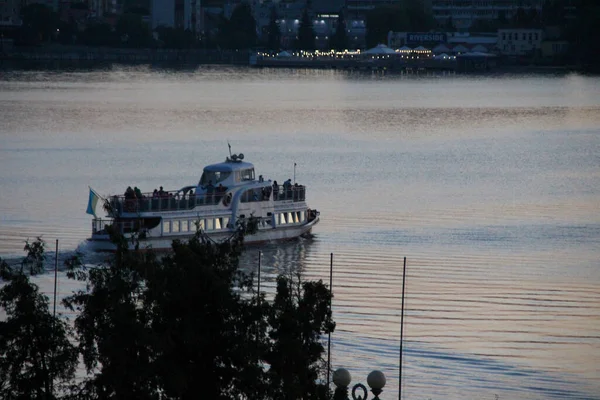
180	200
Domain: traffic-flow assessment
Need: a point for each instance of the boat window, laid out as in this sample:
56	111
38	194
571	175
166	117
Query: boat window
290	218
184	226
247	174
175	226
297	217
210	224
217	223
166	226
214	176
226	222
198	224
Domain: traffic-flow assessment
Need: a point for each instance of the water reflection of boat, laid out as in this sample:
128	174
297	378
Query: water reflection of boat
226	193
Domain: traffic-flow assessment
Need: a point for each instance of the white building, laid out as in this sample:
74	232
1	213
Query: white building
519	42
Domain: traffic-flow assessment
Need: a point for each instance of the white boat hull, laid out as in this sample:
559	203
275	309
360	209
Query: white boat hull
101	243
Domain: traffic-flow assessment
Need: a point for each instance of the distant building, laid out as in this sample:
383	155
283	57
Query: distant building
366	5
446	40
463	13
324	15
9	13
183	14
554	49
519	42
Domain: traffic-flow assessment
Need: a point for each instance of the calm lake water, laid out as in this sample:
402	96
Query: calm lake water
490	186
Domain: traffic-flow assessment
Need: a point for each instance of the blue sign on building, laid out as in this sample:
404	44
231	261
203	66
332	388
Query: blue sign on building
426	37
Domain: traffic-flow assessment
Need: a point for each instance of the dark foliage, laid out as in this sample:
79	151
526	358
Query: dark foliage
190	322
306	33
584	35
299	314
339	40
175	38
274	32
39	24
99	34
238	32
409	16
37	359
132	31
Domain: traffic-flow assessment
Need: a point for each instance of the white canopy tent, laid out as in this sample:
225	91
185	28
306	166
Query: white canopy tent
405	49
284	54
420	48
479	48
460	49
380	49
441	48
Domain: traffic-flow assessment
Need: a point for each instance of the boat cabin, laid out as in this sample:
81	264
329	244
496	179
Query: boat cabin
230	173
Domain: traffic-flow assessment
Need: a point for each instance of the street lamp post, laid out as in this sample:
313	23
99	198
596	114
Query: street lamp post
342	379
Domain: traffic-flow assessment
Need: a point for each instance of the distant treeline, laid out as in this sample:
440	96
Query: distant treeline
577	24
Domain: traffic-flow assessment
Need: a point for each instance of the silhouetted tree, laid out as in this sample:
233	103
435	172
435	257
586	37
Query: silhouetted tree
273	32
37	358
409	16
238	32
242	27
306	33
340	37
99	34
133	31
39	23
583	34
175	38
151	328
298	315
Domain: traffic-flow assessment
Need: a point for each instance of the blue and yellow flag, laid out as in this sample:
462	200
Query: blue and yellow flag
93	200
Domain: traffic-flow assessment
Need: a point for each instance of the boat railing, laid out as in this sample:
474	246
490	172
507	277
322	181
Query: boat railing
289	192
100	224
175	201
168	201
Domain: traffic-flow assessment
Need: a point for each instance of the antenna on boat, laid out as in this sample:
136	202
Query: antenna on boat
294	173
229	148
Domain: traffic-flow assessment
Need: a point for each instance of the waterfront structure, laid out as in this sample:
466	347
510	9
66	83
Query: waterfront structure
463	13
519	42
443	41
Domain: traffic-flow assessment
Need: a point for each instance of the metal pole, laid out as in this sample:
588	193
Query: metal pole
402	329
258	291
329	338
294	173
55	275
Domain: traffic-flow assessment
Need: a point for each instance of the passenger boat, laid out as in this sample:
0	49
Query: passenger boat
226	193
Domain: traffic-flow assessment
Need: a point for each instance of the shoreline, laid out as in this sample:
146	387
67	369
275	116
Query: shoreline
57	57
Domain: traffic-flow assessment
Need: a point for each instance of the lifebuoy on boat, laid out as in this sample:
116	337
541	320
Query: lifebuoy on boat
227	200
